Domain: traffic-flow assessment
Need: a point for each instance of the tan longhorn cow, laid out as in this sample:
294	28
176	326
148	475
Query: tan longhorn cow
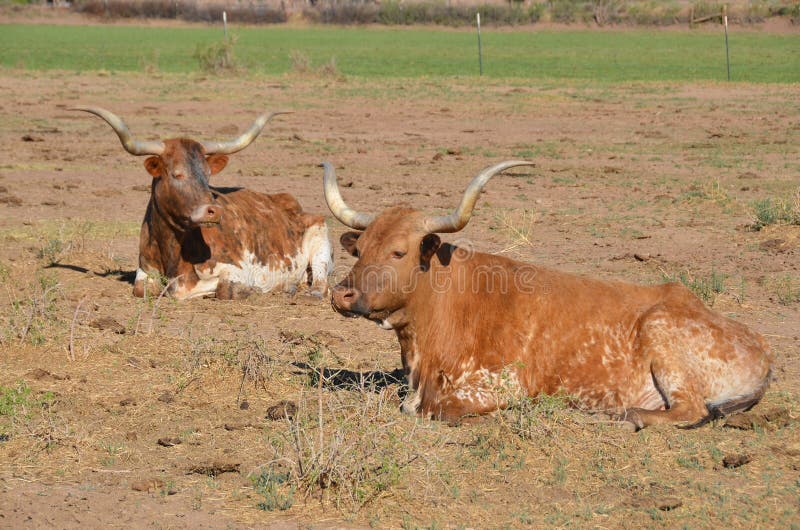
477	329
224	242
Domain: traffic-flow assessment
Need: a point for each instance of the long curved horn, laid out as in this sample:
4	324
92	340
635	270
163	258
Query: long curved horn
131	145
339	209
460	216
237	144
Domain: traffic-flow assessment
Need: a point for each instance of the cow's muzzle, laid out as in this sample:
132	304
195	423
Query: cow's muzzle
348	301
207	215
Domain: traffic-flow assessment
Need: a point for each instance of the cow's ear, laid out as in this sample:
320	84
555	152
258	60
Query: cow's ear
217	163
427	248
154	166
349	240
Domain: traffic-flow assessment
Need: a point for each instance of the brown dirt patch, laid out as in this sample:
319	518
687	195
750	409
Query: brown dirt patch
635	182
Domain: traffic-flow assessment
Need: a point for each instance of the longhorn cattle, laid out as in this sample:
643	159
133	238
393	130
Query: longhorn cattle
225	242
477	330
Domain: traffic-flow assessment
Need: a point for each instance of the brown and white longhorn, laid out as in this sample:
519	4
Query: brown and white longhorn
478	330
219	241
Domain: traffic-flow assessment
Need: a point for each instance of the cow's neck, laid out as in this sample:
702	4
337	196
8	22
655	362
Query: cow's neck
178	249
438	323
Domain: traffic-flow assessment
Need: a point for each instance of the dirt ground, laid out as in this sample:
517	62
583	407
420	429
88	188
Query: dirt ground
103	394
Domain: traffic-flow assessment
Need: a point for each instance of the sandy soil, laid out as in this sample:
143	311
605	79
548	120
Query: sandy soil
637	182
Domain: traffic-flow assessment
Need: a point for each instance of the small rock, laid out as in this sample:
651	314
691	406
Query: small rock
281	410
167	397
31	138
771	418
776	245
168	442
454	151
38	374
148	484
732	461
790	449
438	156
215	468
375	187
668	503
11	200
107	323
626	426
237	426
641	257
244	405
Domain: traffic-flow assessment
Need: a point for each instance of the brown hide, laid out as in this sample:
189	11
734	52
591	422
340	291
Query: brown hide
269	226
477	331
221	242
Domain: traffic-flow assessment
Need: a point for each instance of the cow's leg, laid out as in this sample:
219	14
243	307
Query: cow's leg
320	258
144	285
677	384
468	396
411	403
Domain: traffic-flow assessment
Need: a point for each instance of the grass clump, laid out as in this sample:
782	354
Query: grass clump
182	10
529	417
30	318
217	57
786	289
395	13
771	211
274	486
344	451
705	288
301	64
18	403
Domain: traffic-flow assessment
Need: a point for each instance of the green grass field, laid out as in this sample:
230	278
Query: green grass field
614	56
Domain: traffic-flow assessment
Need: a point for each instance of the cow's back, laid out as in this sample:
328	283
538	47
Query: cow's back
269	227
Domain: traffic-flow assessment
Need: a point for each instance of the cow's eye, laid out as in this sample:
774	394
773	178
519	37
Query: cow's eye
398	254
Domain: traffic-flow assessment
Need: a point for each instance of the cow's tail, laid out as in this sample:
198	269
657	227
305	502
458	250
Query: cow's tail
739	404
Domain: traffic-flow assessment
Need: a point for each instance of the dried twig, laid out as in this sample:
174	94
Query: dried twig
72	330
158	299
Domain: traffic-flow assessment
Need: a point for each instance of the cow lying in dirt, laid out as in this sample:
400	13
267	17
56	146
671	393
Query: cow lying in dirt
206	241
478	330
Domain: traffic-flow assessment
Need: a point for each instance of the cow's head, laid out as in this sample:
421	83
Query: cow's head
394	249
181	169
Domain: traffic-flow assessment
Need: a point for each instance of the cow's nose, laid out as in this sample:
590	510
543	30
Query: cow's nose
207	214
345	297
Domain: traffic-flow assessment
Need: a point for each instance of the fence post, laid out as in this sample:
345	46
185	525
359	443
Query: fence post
225	23
727	50
480	51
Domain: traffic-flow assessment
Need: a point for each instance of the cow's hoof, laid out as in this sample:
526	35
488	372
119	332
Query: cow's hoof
319	295
410	404
632	418
624	425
